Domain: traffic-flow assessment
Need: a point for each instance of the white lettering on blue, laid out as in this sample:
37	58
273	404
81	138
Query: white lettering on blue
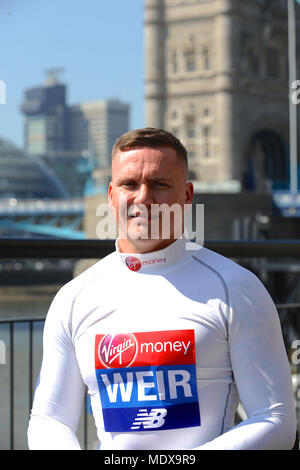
174	384
142	396
154	419
112	391
160	385
174	380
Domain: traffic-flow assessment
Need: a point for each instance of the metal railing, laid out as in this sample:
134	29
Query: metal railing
92	248
97	249
11	324
32	377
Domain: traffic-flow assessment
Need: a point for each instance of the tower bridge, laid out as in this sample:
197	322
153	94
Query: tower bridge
55	218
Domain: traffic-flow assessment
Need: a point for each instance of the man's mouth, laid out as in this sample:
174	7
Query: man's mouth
142	216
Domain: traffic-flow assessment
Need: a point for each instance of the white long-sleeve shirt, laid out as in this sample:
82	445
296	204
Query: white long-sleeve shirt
167	344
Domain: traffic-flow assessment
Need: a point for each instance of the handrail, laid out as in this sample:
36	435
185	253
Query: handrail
20	248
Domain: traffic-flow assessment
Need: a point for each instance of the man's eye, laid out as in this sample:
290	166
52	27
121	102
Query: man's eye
129	183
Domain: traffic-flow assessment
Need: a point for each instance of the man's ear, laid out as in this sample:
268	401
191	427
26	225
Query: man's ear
109	196
189	193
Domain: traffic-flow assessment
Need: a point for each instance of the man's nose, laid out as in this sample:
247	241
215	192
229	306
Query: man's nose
144	195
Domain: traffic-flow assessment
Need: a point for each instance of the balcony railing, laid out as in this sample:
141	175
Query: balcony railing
287	250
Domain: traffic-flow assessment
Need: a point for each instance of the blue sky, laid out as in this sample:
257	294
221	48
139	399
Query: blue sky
99	43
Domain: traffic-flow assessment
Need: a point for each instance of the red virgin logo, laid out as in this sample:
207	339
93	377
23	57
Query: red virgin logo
133	263
117	350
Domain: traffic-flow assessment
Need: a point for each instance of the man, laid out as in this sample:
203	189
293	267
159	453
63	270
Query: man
167	339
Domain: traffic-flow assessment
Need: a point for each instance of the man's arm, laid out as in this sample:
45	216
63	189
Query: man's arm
60	390
261	372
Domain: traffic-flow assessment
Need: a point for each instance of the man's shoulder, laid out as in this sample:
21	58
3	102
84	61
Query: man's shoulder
61	308
98	270
229	270
239	282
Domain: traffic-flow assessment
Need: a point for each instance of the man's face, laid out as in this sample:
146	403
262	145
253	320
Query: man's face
142	178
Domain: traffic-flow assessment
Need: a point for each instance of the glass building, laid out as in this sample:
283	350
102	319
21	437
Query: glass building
23	177
45	126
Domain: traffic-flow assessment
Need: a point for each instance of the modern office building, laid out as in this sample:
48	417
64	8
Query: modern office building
84	130
217	77
93	128
46	112
73	169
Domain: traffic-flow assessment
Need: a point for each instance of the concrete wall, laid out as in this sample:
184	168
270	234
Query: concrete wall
90	217
233	216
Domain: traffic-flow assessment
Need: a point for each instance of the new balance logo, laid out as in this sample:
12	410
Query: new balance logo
155	418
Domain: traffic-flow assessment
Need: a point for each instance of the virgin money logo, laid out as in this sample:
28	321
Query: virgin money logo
117	350
133	263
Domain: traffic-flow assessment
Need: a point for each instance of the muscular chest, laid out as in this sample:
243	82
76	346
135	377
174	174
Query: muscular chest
149	352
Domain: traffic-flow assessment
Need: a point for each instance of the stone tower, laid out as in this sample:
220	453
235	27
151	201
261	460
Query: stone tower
217	77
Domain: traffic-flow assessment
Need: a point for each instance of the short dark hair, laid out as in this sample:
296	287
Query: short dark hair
150	137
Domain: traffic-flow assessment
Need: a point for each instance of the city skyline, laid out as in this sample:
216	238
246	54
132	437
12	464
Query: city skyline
98	44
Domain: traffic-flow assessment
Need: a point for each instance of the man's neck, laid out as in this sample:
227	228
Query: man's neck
142	246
